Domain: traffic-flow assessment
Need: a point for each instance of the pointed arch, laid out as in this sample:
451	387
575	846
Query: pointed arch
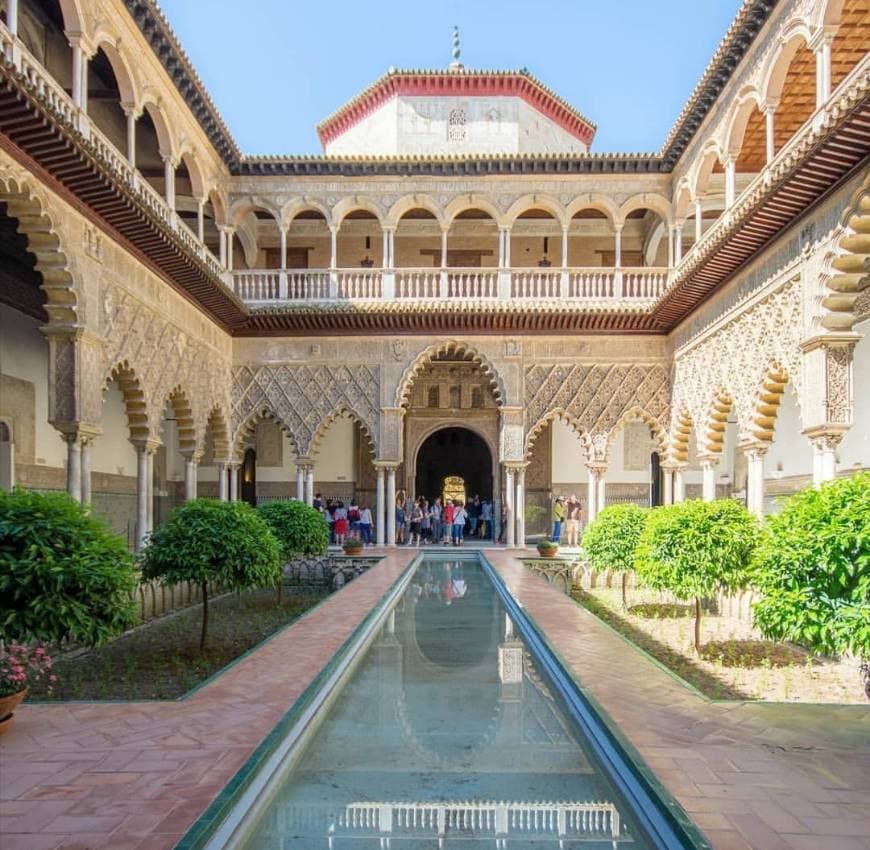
561	415
765	407
636	413
456	348
217	424
410	202
135	401
681	431
711	436
338	412
44	242
179	401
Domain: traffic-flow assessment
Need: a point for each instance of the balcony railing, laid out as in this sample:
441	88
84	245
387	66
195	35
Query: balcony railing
576	285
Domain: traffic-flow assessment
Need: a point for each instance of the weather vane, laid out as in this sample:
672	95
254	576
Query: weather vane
456	64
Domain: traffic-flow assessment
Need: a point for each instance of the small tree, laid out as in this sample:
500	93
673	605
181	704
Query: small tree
207	541
299	529
812	569
63	573
694	549
610	540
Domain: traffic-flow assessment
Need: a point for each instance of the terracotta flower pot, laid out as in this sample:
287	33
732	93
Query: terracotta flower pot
548	551
352	550
7	709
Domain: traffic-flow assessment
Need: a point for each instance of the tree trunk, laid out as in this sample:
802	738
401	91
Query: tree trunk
624	589
204	616
698	625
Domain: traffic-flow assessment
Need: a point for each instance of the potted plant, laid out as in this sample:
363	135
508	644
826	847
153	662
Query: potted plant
352	547
548	549
20	667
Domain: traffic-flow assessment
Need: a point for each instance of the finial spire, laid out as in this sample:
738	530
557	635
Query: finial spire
456	65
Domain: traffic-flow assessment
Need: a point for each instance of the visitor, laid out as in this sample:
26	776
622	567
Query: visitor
473	512
437	514
572	521
317	504
486	519
416	521
353	519
503	522
558	519
330	520
449	510
426	521
400	520
365	525
459	518
340	523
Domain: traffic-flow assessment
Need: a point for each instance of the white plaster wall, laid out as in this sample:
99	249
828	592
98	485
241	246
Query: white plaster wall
24	355
854	451
113	452
287	470
419	126
335	459
790	452
568	457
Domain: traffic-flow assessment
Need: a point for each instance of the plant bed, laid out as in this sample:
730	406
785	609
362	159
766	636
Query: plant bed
161	659
734	662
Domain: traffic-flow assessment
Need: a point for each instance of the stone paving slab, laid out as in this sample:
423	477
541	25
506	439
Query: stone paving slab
753	776
135	776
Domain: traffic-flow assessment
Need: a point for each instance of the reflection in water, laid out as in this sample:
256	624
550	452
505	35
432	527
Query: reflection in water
445	736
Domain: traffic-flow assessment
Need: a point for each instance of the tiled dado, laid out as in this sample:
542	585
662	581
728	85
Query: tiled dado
752	776
137	775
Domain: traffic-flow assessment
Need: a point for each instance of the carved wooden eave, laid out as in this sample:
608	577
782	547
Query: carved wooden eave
811	166
47	141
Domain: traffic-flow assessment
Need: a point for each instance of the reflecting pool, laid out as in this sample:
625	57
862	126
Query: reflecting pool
444	735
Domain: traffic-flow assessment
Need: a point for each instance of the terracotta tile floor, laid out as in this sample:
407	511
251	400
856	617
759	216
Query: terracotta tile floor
753	776
119	776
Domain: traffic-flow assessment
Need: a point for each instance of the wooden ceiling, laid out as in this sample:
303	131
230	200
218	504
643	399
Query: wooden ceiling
852	40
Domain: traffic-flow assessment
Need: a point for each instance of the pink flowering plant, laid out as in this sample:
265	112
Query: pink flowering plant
23	666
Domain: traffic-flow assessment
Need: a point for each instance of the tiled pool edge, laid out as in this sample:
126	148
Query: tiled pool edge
591	715
209	822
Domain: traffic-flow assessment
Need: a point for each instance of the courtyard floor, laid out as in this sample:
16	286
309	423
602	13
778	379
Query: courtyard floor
136	775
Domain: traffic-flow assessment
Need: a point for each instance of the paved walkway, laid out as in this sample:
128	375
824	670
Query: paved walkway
123	776
753	776
82	776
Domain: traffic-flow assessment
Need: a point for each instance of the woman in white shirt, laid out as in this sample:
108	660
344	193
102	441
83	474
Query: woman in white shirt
459	517
365	525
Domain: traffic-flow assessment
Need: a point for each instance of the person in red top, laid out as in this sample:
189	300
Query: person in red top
448	520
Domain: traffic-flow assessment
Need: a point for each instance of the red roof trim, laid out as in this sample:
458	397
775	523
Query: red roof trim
424	85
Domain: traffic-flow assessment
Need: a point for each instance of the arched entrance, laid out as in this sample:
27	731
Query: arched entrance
458	454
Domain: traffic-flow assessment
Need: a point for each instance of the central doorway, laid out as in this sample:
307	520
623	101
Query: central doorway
451	459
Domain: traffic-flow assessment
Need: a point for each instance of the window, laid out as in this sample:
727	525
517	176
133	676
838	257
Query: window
456	122
476	397
455	397
432	399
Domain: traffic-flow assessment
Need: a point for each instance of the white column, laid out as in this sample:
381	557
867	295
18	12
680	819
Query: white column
617	246
283	233
189	478
520	510
679	486
444	248
149	460
74	466
755	479
200	219
222	481
300	483
591	495
86	472
670	246
231	232
730	181
131	136
769	134
678	243
699	220
141	496
823	71
234	482
668	478
222	246
825	457
333	247
169	181
601	500
510	531
12	16
565	247
391	506
379	507
78	70
507	248
309	485
708	485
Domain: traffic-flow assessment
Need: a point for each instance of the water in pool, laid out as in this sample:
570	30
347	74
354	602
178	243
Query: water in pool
444	736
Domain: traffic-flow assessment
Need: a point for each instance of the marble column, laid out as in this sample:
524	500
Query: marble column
769	135
730	182
520	511
169	181
87	446
825	457
380	507
679	492
755	478
708	473
391	506
234	482
601	500
668	480
189	478
74	466
222	481
510	531
141	496
309	485
131	136
149	461
300	482
591	494
12	17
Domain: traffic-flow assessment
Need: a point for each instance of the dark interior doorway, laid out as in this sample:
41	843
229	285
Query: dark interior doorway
655	478
249	478
454	452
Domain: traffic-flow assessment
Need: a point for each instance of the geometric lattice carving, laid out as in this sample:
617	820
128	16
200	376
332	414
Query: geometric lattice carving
305	398
595	398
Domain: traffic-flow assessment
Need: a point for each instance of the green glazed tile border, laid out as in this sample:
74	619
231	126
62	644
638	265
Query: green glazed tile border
204	827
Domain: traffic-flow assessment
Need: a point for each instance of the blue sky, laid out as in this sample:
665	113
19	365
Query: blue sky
275	69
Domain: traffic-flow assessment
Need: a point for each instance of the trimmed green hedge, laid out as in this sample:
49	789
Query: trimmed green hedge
299	528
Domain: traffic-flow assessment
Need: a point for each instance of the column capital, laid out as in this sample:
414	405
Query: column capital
708	460
386	464
515	465
596	468
755	449
844	339
825	439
